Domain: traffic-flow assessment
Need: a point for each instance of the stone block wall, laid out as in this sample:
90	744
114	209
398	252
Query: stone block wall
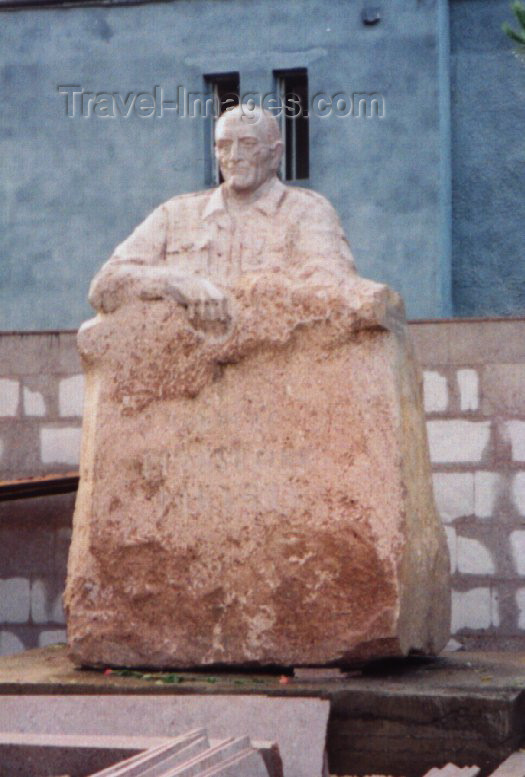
474	394
41	396
473	380
34	542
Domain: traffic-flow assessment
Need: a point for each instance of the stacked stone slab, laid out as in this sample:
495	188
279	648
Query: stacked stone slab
192	756
188	755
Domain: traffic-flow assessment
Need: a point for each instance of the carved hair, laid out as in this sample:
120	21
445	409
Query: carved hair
256	115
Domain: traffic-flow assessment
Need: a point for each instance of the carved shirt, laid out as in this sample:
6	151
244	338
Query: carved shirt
289	229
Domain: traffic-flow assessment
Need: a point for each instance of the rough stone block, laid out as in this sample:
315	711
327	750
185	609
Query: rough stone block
14	600
517	544
51	637
474	558
431	342
60	445
207	460
457	441
62	544
485	342
435	392
474	609
518	492
9	397
515	432
34	403
10	643
21	447
468	382
26	548
454	493
520	604
46	601
68	356
71	396
503	389
486	491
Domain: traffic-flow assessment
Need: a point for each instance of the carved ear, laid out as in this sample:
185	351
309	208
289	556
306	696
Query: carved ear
277	152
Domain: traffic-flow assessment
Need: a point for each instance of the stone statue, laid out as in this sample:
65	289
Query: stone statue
255	482
194	247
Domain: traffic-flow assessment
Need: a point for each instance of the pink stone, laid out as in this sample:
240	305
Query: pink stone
257	497
255	481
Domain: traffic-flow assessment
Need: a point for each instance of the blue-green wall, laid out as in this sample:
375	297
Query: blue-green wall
73	188
488	154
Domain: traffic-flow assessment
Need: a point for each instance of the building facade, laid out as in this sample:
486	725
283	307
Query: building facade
414	132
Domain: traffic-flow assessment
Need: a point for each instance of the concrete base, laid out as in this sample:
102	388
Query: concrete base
400	717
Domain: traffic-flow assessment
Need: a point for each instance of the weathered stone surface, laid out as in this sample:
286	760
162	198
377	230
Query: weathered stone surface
255	481
260	495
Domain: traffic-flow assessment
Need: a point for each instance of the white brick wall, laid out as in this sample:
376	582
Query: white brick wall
51	637
455	441
46	605
9	396
71	396
454	494
34	403
14	600
486	491
476	434
473	557
474	609
520	604
60	445
468	383
435	392
9	643
517	544
515	432
518	492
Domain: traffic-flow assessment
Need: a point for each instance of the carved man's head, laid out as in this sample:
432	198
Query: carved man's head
248	146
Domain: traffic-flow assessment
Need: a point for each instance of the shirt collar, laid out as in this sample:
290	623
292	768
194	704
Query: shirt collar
267	203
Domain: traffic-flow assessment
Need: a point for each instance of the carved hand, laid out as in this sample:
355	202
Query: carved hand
200	296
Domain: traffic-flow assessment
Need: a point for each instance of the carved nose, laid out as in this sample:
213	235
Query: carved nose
235	149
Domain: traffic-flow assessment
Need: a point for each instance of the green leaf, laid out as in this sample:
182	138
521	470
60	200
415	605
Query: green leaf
171	679
126	673
519	10
517	37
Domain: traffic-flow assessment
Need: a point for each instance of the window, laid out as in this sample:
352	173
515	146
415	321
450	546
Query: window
224	88
292	89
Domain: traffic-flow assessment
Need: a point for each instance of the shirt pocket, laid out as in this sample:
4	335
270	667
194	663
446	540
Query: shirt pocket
190	256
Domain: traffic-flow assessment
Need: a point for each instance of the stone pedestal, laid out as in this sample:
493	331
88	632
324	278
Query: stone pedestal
253	492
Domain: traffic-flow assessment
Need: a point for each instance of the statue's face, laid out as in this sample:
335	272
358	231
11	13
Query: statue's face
245	157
